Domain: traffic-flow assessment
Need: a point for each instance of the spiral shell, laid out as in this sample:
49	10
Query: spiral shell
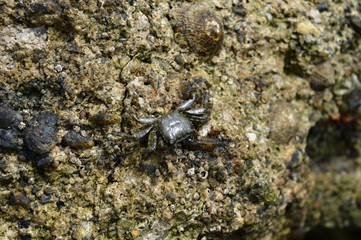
200	28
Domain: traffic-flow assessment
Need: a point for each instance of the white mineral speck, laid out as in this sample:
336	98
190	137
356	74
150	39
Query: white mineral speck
58	67
190	171
252	137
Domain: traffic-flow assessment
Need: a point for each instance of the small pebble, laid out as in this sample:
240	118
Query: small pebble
105	119
45	199
60	205
41	136
24	223
44	162
75	140
9	139
9	117
20	200
240	10
322	6
40	139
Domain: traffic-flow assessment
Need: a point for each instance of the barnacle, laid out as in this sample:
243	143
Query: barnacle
199	26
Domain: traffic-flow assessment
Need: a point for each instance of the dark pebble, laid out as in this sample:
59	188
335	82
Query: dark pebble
171	197
25	237
353	100
41	138
9	139
44	162
45	199
240	36
20	200
40	31
60	205
258	192
22	183
221	176
6	178
148	169
35	190
77	141
104	119
318	82
49	191
9	117
322	6
179	60
24	223
240	10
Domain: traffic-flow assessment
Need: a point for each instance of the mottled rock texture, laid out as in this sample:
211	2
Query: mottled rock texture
279	154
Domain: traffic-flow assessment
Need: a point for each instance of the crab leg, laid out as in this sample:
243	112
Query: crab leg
186	104
142	133
196	111
146	121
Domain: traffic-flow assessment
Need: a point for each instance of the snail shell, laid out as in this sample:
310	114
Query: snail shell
200	27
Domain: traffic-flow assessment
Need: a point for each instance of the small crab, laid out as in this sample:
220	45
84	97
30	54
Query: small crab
176	126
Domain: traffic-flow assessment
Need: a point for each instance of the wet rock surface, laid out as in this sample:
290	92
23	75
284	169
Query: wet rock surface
279	153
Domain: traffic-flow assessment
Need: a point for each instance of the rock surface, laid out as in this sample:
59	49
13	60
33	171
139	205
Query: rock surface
280	152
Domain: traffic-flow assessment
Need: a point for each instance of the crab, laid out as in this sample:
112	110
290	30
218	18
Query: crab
175	126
